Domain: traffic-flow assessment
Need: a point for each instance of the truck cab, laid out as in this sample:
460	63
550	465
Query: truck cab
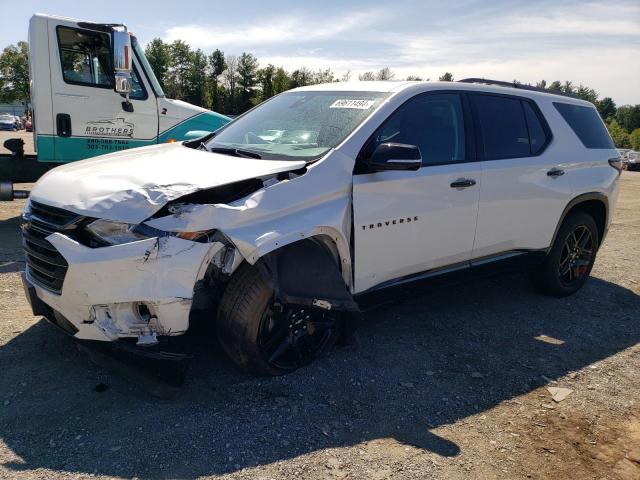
78	112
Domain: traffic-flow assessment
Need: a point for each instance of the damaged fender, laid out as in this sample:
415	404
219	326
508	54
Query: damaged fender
283	212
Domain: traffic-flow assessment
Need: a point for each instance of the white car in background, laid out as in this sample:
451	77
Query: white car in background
7	122
282	226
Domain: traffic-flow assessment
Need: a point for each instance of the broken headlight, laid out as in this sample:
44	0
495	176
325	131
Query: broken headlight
115	233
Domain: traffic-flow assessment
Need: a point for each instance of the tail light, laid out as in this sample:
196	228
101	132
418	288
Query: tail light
616	163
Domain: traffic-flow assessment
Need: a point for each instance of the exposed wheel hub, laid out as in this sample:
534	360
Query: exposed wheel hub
293	336
300	326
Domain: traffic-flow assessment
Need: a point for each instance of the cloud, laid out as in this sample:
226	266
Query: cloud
272	31
594	43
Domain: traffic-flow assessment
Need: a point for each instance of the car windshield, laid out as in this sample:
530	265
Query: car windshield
296	125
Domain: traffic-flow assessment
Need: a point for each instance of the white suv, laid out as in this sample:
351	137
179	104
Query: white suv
282	225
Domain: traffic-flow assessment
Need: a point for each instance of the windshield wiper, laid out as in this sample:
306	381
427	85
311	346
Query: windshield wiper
236	152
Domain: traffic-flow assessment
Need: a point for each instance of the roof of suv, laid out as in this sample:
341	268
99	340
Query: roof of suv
397	86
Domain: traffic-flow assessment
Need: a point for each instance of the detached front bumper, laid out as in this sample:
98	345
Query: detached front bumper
136	290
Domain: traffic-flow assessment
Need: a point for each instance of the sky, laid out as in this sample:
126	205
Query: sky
595	43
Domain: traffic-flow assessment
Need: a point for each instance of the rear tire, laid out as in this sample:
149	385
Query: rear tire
570	260
264	338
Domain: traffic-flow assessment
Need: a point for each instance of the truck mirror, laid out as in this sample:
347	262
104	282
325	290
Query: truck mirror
122	61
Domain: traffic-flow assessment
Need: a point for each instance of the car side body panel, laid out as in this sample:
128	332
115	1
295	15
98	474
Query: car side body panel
522	208
408	222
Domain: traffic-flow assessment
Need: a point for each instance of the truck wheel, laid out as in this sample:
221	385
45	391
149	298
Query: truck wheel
570	260
265	338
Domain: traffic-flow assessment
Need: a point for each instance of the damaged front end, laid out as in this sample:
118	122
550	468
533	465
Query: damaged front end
135	269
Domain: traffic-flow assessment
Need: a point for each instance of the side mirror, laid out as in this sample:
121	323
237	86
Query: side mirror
395	156
122	58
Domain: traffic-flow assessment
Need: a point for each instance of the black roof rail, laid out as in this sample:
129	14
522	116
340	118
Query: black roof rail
487	81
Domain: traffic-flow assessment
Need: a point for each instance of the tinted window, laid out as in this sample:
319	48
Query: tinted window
434	123
85	57
587	125
537	136
503	127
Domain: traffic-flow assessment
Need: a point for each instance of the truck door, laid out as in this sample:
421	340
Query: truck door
89	117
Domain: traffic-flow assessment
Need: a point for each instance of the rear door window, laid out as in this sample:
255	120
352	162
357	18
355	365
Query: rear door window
503	126
586	124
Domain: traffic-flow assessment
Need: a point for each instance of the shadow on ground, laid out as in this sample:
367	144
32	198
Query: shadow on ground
11	244
411	373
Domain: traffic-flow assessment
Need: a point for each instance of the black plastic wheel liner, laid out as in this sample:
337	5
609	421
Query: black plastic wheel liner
303	272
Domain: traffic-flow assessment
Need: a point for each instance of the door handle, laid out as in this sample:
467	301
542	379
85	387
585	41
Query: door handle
63	124
555	172
463	183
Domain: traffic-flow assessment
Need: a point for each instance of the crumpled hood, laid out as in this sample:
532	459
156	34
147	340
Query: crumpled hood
131	185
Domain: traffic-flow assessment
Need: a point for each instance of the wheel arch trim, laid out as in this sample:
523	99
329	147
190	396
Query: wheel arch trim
575	202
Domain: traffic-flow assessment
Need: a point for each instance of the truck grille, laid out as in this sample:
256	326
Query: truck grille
45	266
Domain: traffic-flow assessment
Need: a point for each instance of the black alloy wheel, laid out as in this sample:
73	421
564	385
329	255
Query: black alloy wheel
294	336
577	254
568	264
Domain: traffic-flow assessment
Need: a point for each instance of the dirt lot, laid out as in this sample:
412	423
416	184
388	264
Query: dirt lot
451	385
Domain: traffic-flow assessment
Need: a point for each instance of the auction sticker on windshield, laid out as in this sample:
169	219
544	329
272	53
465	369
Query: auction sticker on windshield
352	103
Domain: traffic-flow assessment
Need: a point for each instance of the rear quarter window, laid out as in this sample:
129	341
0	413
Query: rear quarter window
509	126
586	124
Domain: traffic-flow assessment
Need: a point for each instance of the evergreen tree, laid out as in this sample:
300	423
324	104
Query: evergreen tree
266	77
606	107
217	65
181	57
281	80
247	78
196	83
158	54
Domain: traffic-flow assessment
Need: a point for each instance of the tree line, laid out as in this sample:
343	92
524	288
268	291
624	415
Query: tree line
225	83
232	84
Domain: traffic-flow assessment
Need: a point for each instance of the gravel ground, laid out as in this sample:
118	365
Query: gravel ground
449	385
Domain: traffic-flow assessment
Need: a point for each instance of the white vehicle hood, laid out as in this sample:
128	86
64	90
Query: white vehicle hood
131	185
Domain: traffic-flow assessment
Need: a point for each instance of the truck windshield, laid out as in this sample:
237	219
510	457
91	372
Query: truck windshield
297	125
146	67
